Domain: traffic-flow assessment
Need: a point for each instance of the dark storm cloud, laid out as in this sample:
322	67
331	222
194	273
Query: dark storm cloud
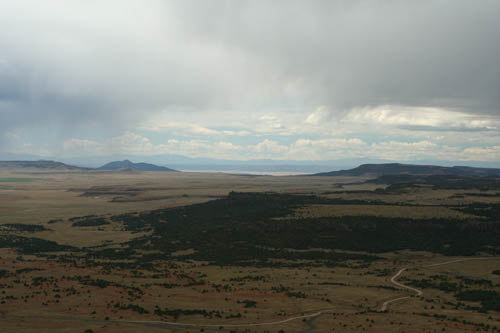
441	53
116	62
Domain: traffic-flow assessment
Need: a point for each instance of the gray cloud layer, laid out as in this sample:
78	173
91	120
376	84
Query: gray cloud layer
116	62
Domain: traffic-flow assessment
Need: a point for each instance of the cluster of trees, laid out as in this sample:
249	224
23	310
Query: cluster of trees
489	299
248	278
133	307
248	303
441	285
288	291
89	222
490	211
24	227
176	313
32	245
454	182
242	229
247	219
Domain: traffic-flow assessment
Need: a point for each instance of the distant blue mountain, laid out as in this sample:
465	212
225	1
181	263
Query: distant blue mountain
126	164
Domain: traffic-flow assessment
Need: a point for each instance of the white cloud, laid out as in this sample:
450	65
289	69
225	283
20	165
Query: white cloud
319	115
236	133
301	149
323	149
129	142
157	125
394	150
269	147
481	154
423	118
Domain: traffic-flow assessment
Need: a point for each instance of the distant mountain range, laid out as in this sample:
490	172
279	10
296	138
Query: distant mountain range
54	165
412	169
126	164
42	164
375	170
180	162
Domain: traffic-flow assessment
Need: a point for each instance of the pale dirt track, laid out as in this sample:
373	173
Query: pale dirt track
400	285
188	325
418	291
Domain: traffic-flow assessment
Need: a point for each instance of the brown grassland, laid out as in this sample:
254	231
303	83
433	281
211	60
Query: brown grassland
62	292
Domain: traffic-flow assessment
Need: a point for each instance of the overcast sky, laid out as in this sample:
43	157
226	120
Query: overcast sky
300	80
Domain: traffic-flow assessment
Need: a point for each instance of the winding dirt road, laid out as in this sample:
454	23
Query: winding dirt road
316	313
384	306
418	291
400	285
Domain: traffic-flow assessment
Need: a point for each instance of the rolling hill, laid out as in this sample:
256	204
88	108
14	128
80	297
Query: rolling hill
412	169
126	164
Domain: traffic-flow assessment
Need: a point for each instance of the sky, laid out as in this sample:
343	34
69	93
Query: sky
240	80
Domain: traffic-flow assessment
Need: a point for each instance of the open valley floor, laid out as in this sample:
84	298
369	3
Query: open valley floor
130	251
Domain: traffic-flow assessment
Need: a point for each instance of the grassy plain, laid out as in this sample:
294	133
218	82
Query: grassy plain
60	194
78	290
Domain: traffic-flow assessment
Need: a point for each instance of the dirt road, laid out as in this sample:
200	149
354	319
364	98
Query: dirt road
177	325
400	285
418	291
